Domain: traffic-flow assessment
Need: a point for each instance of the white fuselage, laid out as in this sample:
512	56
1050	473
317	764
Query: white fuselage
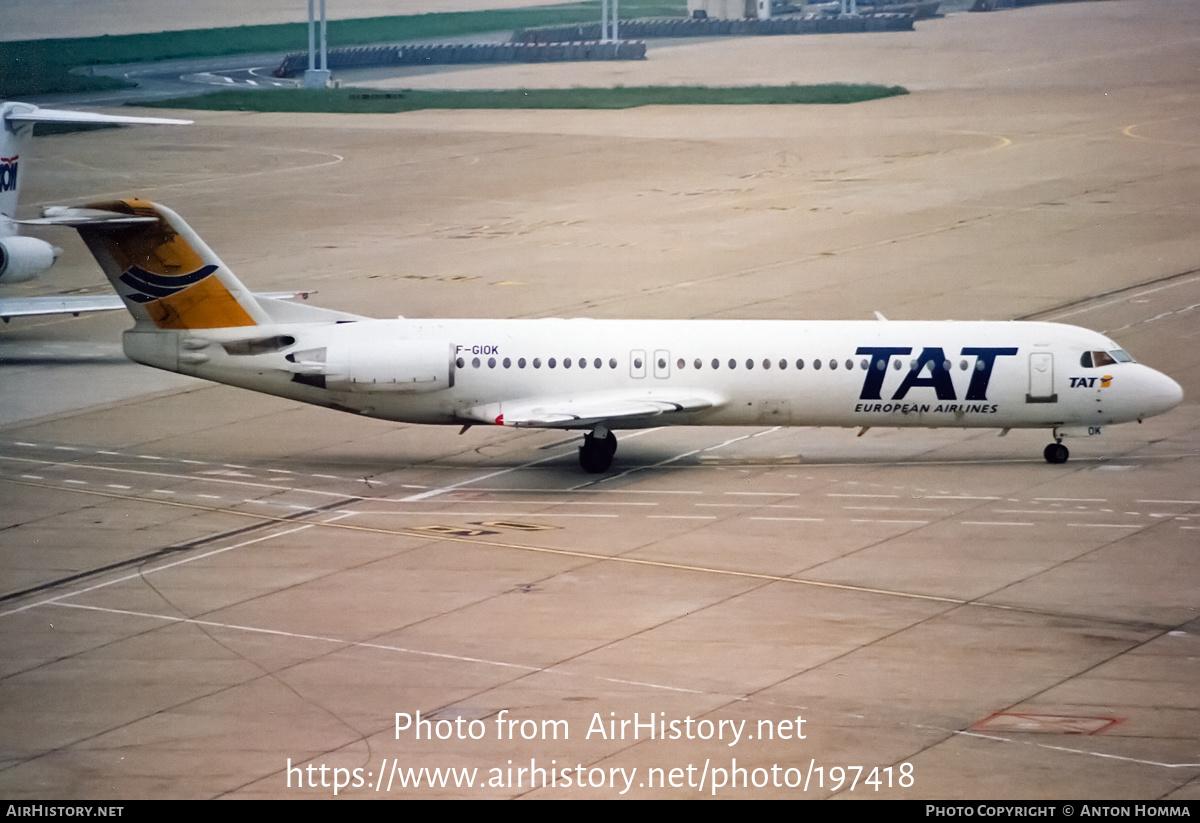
743	372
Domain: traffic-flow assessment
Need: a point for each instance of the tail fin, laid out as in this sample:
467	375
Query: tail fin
16	129
163	271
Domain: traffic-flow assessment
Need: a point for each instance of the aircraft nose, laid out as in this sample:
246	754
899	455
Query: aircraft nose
1163	394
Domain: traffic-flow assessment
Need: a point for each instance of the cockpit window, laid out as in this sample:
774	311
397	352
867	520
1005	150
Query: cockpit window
1098	359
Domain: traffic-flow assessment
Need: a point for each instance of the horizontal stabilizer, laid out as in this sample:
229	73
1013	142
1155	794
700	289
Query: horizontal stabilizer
86	303
75	217
33	114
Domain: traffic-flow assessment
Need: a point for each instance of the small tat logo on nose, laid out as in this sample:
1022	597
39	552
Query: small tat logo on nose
1105	380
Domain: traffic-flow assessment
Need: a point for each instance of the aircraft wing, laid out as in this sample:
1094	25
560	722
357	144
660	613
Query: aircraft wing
76	304
586	410
84	303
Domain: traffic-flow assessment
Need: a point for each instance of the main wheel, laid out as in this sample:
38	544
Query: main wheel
1056	453
595	456
610	443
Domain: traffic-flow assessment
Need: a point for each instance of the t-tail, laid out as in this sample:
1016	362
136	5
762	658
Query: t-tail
24	258
181	295
167	276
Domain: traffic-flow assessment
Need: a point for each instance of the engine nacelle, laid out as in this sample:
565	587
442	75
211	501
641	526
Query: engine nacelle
24	258
369	365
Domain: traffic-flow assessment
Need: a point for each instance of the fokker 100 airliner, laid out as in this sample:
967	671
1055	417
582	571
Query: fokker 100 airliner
194	317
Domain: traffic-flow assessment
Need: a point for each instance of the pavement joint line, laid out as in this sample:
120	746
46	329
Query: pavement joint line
592	556
361	644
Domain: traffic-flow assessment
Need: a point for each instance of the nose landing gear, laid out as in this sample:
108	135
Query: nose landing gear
596	453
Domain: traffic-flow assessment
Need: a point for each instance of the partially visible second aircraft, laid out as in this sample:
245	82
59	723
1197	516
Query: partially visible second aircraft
24	258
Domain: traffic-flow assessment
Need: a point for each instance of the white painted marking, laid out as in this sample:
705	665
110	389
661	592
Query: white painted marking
1178	502
1029	511
680	517
435	492
172	476
911	522
500	513
279	633
894	508
149	457
1123	298
1106	525
666	462
1073	499
960	497
32	476
849	494
23	443
793	519
141	572
554	502
1102	755
77	482
66	449
210	496
767	494
993	523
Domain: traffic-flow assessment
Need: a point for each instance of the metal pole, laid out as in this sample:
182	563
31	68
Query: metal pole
324	63
312	46
615	35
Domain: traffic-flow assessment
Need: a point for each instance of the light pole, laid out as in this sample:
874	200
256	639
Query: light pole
315	78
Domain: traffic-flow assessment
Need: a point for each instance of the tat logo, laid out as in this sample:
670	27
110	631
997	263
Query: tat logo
936	376
1090	382
8	173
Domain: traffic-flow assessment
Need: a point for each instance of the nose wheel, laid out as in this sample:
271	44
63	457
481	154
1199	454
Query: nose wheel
1056	453
596	453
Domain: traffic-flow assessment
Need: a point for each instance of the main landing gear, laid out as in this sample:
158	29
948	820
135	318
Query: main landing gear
1056	453
596	453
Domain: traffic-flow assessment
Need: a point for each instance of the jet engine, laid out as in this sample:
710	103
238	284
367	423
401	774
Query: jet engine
24	258
368	365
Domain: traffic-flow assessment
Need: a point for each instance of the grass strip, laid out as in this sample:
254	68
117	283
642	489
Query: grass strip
29	67
363	101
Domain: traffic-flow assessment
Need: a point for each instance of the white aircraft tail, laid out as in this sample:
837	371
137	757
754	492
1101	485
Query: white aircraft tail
16	129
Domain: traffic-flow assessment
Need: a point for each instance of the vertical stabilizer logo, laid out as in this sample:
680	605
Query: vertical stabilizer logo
148	286
8	173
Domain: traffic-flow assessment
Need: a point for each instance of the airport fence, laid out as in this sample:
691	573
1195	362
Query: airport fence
709	27
516	52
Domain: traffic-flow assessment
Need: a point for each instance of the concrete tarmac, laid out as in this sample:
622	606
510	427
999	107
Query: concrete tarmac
212	593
